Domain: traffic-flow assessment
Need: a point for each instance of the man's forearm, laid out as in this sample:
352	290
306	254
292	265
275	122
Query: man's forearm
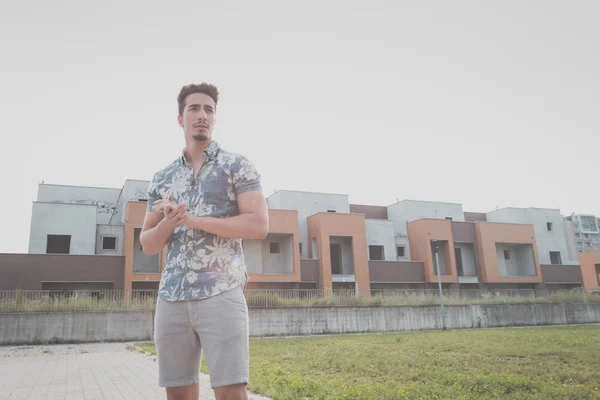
244	226
153	240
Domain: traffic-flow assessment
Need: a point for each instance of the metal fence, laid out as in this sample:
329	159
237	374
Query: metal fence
116	300
76	300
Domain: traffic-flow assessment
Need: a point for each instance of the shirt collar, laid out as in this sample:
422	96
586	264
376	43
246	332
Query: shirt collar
210	152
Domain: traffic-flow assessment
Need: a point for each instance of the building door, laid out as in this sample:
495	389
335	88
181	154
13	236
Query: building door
336	258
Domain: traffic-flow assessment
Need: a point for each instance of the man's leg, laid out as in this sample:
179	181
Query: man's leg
190	392
178	350
222	323
232	392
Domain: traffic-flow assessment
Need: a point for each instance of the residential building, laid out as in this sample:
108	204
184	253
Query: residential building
583	232
550	237
590	268
89	237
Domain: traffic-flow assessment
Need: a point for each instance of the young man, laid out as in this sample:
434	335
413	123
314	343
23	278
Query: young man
201	206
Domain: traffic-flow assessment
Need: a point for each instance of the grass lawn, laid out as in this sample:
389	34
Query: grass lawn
519	363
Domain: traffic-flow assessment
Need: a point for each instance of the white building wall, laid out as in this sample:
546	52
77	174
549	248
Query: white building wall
133	190
307	204
570	238
104	198
79	221
381	233
547	241
411	210
109	230
403	241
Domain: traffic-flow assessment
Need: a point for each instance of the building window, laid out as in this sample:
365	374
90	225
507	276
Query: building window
274	247
58	244
109	243
555	257
376	253
588	223
330	210
400	251
549	226
507	254
300	247
586	236
579	245
459	262
578	236
587	244
449	218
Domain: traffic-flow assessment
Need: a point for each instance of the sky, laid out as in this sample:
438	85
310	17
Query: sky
490	104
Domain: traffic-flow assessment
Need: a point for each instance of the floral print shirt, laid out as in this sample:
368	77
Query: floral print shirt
200	264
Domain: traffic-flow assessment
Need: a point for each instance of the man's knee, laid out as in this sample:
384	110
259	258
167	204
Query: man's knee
232	392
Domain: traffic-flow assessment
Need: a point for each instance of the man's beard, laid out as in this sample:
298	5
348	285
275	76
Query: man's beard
201	137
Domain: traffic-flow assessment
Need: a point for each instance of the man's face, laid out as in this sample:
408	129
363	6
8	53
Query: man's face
198	118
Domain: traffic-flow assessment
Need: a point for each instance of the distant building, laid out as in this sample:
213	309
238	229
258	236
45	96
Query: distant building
88	237
583	231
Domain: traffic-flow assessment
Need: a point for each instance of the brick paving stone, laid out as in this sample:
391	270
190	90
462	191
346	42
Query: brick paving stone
95	371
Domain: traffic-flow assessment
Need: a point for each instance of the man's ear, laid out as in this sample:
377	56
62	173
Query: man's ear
180	120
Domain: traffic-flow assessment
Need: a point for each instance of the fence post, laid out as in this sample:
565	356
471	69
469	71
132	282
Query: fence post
19	298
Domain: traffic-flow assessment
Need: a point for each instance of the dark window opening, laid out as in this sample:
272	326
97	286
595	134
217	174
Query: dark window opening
549	226
335	250
400	251
330	210
300	247
376	253
459	262
109	243
507	254
449	218
274	247
555	257
58	244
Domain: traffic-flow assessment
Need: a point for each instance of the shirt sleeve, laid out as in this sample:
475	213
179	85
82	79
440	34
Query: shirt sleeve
153	193
245	176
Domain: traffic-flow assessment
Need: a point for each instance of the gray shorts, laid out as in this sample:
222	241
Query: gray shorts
217	325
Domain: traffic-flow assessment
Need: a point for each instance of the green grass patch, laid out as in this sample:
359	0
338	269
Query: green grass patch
519	363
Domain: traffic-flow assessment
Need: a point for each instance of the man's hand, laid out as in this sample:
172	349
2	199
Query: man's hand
163	204
175	215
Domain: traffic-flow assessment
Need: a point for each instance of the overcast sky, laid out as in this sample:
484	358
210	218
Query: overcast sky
486	103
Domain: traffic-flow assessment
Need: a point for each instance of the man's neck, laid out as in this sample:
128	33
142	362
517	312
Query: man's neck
194	150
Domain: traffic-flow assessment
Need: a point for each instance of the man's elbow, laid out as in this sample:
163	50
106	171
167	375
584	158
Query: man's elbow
262	228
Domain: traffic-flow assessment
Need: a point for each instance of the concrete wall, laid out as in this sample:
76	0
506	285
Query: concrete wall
79	221
105	199
571	242
109	230
520	262
141	262
411	210
381	233
277	263
315	321
308	204
253	256
546	241
37	328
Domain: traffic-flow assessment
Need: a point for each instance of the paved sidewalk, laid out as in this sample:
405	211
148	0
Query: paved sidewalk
98	371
